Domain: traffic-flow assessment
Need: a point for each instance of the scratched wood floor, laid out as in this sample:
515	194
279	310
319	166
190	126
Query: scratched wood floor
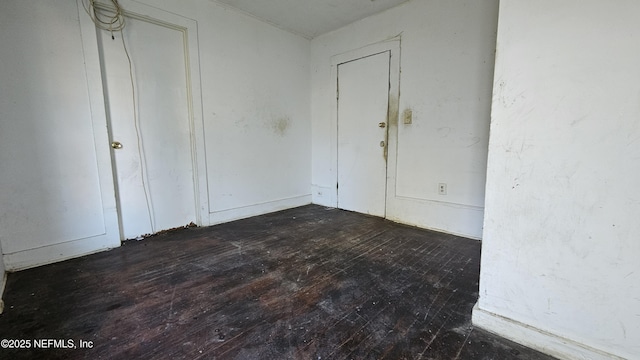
305	283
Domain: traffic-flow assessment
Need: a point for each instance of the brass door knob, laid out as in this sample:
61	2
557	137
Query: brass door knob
382	125
116	145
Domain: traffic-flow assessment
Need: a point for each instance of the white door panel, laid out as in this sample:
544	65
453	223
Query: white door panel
363	95
154	167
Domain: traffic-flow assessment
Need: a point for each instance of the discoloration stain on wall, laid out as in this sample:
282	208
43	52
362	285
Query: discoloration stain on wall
392	120
472	140
444	131
392	112
407	116
280	125
242	124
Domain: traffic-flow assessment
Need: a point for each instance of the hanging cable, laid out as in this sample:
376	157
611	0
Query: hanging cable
112	19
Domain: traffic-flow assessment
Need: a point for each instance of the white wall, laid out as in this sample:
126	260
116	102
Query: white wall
56	200
447	55
56	187
256	108
560	248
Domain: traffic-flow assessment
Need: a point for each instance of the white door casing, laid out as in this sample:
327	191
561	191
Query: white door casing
390	47
159	173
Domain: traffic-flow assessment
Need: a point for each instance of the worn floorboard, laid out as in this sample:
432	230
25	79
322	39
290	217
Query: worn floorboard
305	283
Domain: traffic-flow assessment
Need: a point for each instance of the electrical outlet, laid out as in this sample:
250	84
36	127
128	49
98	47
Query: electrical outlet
442	188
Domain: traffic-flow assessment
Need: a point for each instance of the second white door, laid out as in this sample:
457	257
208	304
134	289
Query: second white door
363	99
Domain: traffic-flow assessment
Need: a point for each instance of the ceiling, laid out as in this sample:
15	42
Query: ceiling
310	18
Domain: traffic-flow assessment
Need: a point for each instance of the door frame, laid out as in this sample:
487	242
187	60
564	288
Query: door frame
392	46
189	29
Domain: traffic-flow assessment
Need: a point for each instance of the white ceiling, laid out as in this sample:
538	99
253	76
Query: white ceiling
311	18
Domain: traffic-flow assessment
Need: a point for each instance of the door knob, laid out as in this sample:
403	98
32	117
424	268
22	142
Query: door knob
382	125
116	145
382	143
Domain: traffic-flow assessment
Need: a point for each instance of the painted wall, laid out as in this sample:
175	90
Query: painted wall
256	109
55	201
447	56
560	248
55	172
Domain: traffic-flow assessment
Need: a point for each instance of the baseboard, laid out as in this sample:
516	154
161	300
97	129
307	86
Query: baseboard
456	219
421	225
537	339
219	217
58	252
3	283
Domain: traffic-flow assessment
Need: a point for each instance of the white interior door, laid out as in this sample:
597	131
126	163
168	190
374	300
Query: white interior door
154	166
363	97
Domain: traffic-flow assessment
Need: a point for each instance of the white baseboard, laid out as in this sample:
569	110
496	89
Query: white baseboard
450	218
58	252
537	339
219	217
3	283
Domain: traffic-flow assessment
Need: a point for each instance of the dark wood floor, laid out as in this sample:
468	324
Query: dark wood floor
306	283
